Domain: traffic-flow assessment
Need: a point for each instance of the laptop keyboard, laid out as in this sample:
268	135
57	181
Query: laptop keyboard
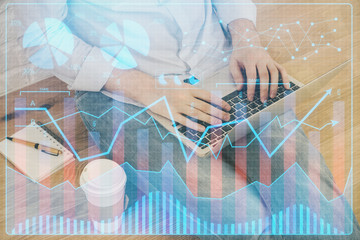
241	108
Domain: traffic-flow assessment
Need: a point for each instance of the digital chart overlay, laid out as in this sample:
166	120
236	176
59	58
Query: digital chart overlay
175	210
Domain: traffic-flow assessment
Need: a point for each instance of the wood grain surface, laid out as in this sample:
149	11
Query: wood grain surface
304	71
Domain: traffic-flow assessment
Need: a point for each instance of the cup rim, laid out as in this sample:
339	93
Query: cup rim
85	183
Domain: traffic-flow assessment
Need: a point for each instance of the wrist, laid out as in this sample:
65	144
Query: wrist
132	84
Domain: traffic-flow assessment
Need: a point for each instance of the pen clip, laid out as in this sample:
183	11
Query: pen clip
53	154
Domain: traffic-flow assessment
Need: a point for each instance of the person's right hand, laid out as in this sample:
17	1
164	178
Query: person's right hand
195	103
189	101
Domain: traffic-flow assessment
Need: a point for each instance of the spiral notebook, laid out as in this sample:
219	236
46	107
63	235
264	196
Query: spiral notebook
32	162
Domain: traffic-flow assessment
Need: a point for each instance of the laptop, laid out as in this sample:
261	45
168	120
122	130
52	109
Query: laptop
221	84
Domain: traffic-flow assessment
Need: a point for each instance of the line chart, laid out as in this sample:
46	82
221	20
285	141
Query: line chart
187	157
166	203
168	165
296	46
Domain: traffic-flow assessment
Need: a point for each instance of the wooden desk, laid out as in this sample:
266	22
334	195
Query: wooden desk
304	71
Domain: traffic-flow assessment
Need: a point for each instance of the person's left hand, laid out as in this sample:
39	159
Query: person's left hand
250	61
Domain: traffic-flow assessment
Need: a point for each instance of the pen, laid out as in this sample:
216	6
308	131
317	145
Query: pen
42	148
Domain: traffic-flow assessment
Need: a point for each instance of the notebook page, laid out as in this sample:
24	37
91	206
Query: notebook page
30	161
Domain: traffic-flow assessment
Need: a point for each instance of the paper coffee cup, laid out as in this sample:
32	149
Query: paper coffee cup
103	182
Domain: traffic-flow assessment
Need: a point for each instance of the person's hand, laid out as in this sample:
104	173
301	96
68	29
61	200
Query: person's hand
250	61
188	101
194	103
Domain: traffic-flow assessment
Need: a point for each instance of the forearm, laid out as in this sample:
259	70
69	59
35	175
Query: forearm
133	84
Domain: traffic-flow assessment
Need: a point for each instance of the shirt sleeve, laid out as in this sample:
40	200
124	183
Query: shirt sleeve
84	67
231	10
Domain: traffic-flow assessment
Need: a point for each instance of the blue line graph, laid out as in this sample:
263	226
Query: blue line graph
154	203
197	144
168	165
296	47
262	226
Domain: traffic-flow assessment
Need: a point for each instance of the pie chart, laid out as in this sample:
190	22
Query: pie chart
119	43
53	40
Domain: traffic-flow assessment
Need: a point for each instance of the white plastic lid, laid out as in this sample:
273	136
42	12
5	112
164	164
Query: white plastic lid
103	175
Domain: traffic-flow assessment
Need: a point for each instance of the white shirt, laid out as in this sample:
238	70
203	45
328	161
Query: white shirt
186	37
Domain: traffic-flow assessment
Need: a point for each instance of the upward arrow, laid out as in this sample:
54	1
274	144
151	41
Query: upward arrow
328	92
333	122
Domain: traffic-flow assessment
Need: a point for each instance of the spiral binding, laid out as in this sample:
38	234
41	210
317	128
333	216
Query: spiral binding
51	135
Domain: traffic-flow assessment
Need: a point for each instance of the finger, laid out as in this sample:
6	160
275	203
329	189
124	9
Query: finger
188	123
211	98
211	110
264	81
237	75
251	81
284	75
274	74
200	115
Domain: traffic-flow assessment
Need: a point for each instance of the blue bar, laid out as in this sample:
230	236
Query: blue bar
20	228
88	226
34	225
157	213
273	224
150	212
109	226
143	218
212	228
40	225
136	217
54	224
287	220
27	226
177	217
67	225
129	220
219	228
294	219
301	219
321	226
102	227
13	231
75	227
191	223
184	220
281	222
226	229
171	215
239	228
335	231
95	229
314	224
123	216
246	228
81	227
198	226
307	220
232	229
253	225
61	225
47	224
328	230
116	224
164	212
205	227
267	224
260	225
